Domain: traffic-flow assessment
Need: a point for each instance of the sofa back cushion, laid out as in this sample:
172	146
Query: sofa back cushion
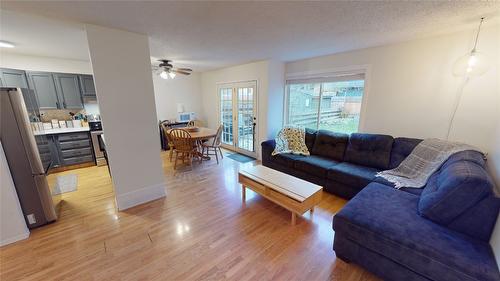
370	150
401	148
454	192
330	144
310	138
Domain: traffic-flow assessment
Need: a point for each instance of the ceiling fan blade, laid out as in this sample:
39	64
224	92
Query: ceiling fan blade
180	72
184	69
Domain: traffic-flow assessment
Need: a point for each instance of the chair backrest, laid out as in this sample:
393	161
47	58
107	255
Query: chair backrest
191	123
165	127
218	136
182	140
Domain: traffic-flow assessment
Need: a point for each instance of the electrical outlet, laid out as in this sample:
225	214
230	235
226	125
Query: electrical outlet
31	218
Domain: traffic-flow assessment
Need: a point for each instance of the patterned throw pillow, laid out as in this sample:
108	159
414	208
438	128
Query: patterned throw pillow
291	139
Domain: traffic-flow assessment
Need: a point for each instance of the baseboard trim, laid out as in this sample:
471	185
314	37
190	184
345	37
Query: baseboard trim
140	196
16	238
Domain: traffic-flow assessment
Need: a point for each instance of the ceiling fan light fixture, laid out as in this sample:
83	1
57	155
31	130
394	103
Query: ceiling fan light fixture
171	74
164	74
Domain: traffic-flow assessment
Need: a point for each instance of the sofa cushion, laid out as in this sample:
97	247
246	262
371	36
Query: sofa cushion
401	148
384	220
286	159
452	190
310	138
352	174
369	150
315	165
330	144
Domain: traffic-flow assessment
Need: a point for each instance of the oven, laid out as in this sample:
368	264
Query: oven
95	134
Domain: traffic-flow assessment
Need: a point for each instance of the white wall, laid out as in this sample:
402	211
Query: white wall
183	89
12	224
411	86
268	75
127	103
36	63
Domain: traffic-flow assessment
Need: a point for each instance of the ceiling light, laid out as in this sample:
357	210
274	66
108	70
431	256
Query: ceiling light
171	74
164	74
6	44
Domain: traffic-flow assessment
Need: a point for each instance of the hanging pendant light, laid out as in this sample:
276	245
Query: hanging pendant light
473	63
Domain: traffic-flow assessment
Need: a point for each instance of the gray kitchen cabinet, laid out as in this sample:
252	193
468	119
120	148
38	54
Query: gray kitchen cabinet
87	86
69	149
68	89
45	89
13	78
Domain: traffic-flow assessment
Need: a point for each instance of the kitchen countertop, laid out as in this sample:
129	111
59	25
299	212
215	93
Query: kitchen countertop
62	131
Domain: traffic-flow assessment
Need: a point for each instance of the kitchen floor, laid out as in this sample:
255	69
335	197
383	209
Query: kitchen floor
200	231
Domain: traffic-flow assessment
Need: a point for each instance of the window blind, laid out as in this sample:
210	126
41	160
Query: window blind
325	78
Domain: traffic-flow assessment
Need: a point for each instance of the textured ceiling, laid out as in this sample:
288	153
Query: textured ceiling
208	35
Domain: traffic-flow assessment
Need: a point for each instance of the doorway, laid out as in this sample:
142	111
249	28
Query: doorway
238	116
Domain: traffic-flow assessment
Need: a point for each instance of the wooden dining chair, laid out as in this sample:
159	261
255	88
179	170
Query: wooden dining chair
185	147
170	143
215	145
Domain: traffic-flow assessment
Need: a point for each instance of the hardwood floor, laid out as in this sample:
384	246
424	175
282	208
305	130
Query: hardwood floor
200	231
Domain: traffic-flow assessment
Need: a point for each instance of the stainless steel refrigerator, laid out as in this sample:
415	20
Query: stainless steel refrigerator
19	115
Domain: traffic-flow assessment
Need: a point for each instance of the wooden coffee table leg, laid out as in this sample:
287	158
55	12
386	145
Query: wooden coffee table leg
294	217
312	209
243	193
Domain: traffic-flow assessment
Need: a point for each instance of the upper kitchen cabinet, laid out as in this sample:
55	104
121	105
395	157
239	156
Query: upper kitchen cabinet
45	89
68	89
87	85
13	78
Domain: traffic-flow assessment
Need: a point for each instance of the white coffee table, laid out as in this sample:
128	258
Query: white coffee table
291	193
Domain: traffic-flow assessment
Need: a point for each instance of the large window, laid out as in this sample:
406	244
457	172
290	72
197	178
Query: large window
330	103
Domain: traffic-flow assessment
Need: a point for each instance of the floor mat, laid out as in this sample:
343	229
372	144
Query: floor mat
65	183
240	157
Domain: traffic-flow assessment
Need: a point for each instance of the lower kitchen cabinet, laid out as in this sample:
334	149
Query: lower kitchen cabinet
69	149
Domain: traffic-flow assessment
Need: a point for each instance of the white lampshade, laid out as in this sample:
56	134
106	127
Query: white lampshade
180	107
470	65
164	75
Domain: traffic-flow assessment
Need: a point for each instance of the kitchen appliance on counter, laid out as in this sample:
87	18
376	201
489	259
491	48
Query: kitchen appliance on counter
185	116
95	135
19	110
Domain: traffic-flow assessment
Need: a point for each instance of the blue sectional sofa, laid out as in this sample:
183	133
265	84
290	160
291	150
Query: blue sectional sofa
439	232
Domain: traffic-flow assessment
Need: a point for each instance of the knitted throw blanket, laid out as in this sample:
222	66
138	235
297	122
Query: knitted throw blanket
291	139
424	160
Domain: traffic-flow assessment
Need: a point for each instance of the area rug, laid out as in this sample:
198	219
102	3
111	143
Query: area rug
240	158
65	183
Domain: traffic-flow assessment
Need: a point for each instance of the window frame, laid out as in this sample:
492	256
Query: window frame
327	74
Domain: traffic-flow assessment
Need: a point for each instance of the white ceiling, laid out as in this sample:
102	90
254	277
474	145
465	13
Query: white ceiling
209	35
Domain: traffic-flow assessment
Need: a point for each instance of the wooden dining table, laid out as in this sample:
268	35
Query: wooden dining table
199	135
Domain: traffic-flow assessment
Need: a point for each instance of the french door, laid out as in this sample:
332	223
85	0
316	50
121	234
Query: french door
237	114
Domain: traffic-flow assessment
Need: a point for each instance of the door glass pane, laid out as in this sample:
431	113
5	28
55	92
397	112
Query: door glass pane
226	114
245	118
341	106
303	103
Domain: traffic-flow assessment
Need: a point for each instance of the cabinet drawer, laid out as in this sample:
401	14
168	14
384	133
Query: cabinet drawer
43	148
74	144
77	152
45	157
78	160
73	136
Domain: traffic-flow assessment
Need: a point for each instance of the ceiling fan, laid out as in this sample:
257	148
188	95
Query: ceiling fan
166	70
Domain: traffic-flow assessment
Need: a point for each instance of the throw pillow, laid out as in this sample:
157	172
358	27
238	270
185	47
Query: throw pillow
291	139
